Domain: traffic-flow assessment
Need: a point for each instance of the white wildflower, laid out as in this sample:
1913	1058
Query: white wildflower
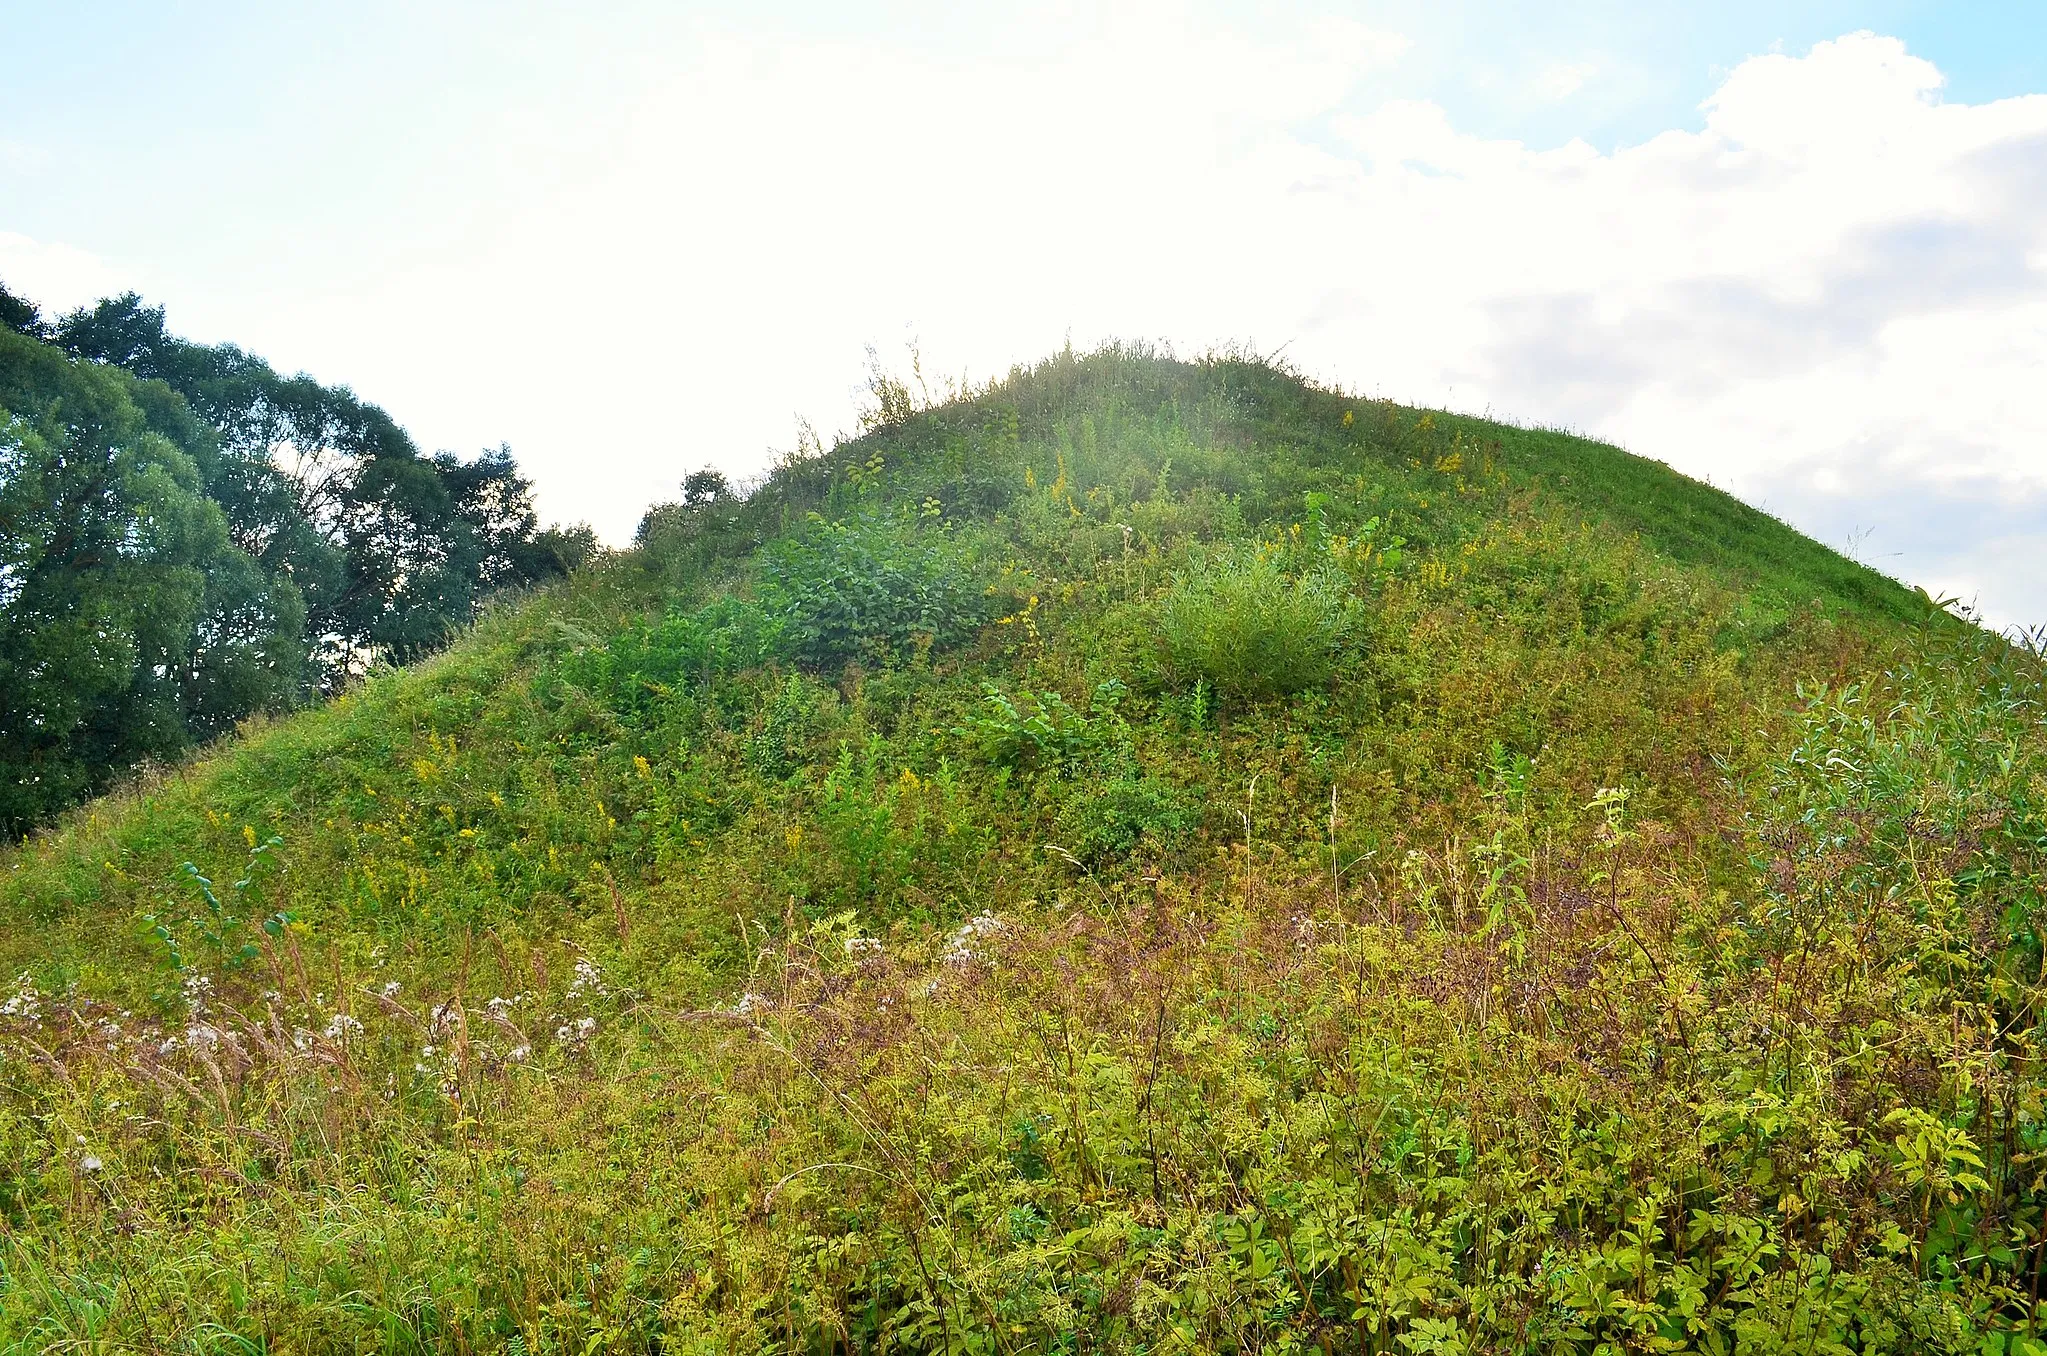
341	1027
90	1163
391	989
962	949
863	946
26	1003
520	1054
589	980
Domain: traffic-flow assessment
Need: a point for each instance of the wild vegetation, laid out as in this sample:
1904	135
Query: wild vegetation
187	538
1147	856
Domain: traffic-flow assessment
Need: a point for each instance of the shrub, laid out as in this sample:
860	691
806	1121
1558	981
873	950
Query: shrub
870	589
646	666
1051	735
789	723
1237	621
1113	816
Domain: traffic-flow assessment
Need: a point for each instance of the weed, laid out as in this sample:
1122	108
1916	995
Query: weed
1237	621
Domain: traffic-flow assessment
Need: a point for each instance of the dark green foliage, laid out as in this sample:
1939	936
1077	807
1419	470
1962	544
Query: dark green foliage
1239	622
20	315
391	549
132	624
339	545
1112	815
870	589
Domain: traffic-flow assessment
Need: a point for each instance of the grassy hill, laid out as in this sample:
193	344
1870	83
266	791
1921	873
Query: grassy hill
1152	856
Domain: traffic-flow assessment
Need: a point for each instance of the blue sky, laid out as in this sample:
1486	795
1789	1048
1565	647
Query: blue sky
632	239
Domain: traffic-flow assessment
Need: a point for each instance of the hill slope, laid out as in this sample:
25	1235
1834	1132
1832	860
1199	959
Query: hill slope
1153	855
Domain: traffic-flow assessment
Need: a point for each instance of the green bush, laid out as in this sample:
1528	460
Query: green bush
781	740
1237	621
870	589
1113	816
646	666
1051	735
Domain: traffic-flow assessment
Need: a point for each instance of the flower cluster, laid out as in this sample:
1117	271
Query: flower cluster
965	947
589	980
25	1004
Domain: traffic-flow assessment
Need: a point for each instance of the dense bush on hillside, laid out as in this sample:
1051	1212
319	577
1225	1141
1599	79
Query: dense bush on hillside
190	538
1238	623
1618	937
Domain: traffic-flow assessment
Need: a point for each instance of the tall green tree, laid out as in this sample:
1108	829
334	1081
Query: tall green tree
391	550
130	622
187	537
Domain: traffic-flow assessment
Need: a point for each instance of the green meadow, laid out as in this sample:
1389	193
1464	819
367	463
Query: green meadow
1145	856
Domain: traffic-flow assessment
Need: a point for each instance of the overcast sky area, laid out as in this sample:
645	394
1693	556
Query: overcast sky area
1797	249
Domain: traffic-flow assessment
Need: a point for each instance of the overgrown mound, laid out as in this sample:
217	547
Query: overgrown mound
1150	856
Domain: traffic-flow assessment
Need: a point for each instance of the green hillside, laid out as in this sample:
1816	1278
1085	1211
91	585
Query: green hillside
1150	856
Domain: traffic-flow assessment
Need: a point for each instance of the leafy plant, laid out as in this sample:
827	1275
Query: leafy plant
223	925
1045	731
870	589
1236	620
1107	818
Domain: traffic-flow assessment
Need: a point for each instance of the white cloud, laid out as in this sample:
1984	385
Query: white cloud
1831	297
55	276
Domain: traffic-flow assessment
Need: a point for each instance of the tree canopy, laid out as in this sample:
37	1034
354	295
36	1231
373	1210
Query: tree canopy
188	537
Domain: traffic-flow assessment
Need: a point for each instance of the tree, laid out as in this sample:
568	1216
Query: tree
20	316
391	551
131	622
187	537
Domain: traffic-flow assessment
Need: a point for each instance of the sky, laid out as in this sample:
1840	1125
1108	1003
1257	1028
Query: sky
1798	250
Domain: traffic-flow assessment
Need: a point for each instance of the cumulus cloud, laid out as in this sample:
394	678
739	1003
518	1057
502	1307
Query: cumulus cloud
1832	298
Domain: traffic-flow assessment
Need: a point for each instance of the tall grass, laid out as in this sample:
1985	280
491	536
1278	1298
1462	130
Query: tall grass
1631	947
1237	622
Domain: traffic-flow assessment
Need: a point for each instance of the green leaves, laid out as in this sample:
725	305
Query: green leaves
1045	732
870	589
1237	621
129	614
222	925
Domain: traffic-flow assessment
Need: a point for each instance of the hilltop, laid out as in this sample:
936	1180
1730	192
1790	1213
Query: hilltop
1145	855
